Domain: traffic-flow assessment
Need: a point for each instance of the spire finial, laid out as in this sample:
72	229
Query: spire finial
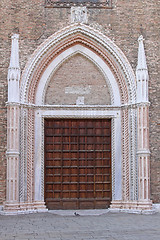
14	60
14	71
141	54
142	73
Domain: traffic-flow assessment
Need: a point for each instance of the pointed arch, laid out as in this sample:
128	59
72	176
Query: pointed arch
120	78
87	37
62	57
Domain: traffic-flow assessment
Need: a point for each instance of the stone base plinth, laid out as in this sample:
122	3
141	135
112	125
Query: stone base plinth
23	208
10	208
133	205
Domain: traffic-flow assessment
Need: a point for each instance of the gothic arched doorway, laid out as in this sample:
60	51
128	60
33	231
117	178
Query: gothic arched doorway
51	89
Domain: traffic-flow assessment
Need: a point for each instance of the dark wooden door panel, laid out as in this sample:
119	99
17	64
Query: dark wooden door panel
77	163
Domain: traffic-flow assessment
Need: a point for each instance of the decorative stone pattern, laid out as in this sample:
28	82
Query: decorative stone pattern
125	155
13	155
143	125
30	155
93	59
82	32
133	154
12	195
23	148
143	153
42	160
127	93
68	4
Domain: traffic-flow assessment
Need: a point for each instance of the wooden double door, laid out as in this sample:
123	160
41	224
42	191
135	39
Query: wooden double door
77	163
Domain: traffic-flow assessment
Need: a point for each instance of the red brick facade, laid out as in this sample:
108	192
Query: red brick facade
123	24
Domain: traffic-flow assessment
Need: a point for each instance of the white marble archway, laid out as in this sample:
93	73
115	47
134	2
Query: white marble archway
28	187
111	111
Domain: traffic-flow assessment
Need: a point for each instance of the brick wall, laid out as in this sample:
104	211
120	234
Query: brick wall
78	76
123	24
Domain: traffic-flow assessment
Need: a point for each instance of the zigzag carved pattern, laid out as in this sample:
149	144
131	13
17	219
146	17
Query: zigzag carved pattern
125	155
22	154
133	168
30	152
67	43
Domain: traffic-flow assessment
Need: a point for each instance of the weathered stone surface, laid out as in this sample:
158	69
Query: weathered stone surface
109	226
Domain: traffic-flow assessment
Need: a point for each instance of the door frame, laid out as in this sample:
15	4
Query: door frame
30	111
115	117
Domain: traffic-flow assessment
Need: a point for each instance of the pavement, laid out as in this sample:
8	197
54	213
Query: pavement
88	226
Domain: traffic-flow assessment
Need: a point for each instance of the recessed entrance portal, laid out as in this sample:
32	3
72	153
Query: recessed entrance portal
76	170
77	163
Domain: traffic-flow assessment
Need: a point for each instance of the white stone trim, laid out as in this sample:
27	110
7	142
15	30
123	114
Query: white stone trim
156	207
98	37
142	74
109	77
39	145
14	71
126	104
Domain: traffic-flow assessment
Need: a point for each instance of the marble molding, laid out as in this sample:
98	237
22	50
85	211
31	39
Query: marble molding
26	113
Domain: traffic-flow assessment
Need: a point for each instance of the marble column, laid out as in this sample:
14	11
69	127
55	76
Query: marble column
143	128
13	113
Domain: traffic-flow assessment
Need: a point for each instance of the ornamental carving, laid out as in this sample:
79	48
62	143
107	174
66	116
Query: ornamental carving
79	15
130	146
81	3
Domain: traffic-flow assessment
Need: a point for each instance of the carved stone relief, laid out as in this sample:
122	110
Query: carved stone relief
79	15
